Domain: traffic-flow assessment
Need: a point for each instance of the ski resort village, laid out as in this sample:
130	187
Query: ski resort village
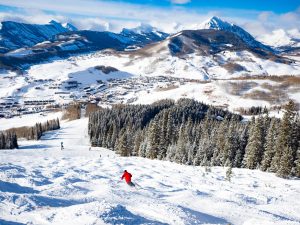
174	112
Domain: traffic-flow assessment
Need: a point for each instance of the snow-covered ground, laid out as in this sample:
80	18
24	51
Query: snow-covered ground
40	184
35	84
28	120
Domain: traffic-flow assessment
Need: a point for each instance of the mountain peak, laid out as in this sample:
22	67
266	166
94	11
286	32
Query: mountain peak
217	19
216	23
70	27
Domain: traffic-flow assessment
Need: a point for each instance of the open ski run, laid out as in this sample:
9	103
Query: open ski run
40	185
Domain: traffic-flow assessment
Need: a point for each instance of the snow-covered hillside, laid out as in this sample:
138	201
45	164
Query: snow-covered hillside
15	35
139	81
40	184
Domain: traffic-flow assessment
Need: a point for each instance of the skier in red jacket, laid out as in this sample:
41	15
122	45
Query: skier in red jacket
127	177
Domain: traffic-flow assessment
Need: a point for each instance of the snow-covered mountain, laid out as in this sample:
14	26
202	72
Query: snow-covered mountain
217	23
31	44
217	48
204	54
19	35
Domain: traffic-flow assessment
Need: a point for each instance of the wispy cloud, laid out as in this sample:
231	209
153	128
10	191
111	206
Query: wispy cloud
180	1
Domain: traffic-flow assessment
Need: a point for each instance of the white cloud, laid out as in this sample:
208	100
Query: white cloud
180	1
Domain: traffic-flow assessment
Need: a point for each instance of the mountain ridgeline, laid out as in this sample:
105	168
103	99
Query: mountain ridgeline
23	45
16	35
192	133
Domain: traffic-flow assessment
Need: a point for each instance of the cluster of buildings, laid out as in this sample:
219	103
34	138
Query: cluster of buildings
112	91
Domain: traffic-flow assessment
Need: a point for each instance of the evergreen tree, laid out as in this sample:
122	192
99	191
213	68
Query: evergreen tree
180	155
286	163
254	147
154	140
241	149
137	143
218	155
284	139
269	147
122	148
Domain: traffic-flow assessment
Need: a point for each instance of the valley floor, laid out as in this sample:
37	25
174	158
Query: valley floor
40	184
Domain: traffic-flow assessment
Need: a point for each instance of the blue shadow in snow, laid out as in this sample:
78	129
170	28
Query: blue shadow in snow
280	217
15	188
37	146
53	202
198	218
4	222
120	215
19	169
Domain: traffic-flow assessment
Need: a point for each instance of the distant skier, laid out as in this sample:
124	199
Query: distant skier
61	145
127	177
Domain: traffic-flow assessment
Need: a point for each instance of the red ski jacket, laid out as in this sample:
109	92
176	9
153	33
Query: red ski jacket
127	177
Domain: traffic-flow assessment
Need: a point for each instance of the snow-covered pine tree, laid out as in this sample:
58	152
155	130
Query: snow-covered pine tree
122	148
286	163
254	147
137	142
238	159
269	146
285	135
230	147
164	136
153	140
218	153
180	155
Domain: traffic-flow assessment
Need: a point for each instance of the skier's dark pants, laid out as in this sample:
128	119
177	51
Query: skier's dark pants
131	184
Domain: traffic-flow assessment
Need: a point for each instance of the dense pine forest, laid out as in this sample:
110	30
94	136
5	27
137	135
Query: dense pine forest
192	133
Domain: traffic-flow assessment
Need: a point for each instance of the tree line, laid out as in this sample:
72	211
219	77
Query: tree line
192	133
8	138
72	112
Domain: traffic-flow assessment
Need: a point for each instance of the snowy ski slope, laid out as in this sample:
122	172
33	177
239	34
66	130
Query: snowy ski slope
40	185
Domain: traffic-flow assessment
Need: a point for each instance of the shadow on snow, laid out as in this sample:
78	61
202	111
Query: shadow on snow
202	218
4	222
120	215
16	188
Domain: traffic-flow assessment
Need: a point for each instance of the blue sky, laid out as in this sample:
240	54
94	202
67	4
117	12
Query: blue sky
277	6
257	16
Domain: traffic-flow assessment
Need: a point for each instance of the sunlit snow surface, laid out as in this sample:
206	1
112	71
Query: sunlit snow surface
40	184
81	69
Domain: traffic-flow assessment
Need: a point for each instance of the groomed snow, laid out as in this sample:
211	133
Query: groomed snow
40	184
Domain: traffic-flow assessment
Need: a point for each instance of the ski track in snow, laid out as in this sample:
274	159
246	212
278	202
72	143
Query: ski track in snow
40	184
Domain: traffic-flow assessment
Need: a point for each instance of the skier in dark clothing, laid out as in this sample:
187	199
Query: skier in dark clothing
61	145
127	177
